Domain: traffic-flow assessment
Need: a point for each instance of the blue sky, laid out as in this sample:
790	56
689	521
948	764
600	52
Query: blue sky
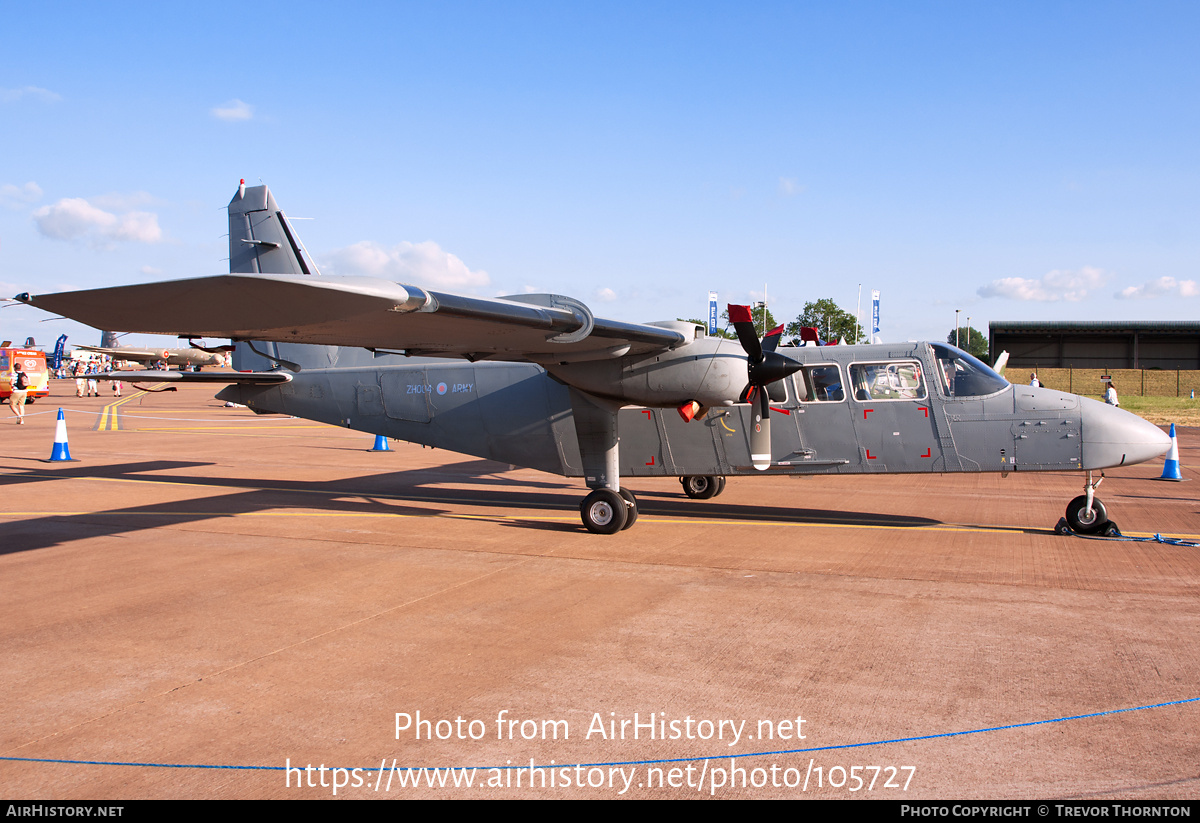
1014	160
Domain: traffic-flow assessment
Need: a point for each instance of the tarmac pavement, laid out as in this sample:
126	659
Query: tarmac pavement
231	593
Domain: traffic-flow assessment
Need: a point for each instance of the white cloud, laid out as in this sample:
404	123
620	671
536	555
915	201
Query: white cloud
606	295
138	227
13	95
74	218
788	186
71	217
1161	287
1069	285
232	110
422	264
15	197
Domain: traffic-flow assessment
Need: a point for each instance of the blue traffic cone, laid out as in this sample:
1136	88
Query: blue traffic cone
381	444
1171	467
61	452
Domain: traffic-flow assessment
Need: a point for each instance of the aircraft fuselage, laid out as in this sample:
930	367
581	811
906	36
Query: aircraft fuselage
849	410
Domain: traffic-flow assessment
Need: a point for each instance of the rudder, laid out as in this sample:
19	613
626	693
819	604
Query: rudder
261	240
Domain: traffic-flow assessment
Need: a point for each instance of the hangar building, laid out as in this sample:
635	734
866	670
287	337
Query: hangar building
1097	344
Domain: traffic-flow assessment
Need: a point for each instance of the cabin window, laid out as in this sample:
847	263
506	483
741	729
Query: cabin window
888	381
823	383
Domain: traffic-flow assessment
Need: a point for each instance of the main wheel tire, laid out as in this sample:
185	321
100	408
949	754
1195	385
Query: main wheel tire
699	486
1080	520
720	486
603	511
631	513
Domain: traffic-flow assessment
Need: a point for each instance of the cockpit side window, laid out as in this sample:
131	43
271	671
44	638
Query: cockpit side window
961	375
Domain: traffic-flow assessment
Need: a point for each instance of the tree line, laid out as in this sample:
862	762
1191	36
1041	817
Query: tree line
832	323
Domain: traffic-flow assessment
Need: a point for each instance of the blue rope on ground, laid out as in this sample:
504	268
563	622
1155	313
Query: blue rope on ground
625	762
1158	538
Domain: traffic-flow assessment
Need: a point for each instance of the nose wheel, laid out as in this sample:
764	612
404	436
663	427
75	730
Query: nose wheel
1084	520
1086	514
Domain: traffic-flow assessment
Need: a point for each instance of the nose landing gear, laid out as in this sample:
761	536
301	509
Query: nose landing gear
1086	514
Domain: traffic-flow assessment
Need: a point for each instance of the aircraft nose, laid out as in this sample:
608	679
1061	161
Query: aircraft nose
1114	437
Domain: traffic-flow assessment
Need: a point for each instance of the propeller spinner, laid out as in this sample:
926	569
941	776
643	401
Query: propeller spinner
763	366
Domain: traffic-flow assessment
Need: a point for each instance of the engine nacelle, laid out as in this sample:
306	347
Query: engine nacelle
711	371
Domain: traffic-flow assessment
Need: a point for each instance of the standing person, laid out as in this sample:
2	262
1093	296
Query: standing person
1110	396
19	385
1033	381
93	385
77	370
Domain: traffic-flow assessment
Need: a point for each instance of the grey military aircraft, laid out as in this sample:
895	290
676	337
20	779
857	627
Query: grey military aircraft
540	381
194	355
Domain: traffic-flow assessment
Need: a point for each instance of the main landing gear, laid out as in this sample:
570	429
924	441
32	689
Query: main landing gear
702	487
605	511
1086	514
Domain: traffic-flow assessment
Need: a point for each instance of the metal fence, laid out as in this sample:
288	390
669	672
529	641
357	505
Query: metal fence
1134	382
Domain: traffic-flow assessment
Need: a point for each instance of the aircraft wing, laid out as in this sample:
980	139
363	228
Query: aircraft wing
365	312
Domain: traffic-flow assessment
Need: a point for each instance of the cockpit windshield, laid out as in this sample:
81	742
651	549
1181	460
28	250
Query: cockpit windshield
964	376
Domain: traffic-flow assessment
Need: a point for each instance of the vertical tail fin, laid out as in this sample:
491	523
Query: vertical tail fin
261	240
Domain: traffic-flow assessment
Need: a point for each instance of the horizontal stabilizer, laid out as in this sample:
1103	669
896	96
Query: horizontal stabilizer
251	378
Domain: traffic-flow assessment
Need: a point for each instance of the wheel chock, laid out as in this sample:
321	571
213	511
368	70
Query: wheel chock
1109	529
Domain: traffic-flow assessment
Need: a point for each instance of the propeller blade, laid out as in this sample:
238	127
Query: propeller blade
764	366
771	341
760	434
743	324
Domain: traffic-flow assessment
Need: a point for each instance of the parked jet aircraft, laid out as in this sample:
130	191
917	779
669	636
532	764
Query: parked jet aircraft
539	381
192	356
